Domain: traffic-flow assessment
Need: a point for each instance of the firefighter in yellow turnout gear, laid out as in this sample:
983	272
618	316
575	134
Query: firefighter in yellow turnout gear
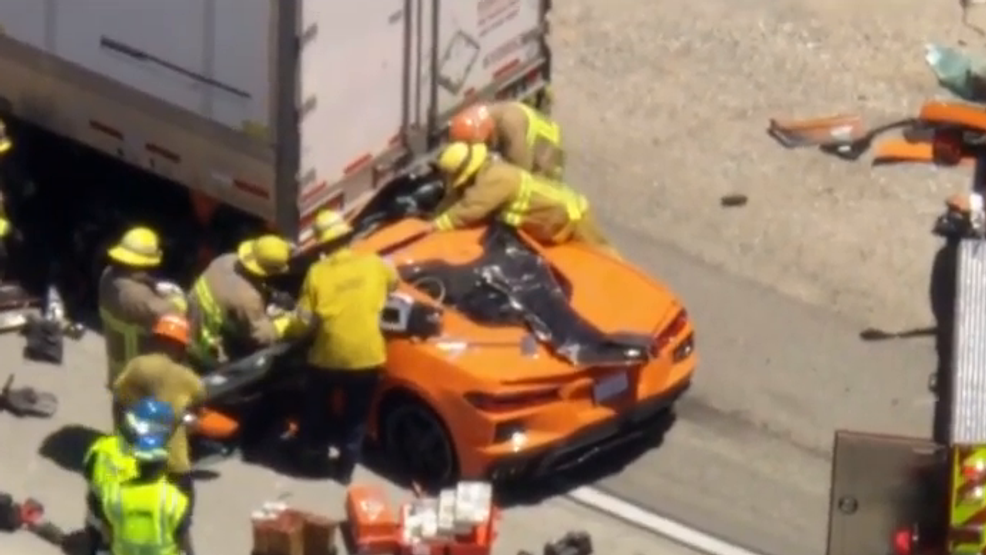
524	136
344	294
130	300
482	188
228	304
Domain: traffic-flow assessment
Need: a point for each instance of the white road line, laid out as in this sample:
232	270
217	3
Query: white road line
658	524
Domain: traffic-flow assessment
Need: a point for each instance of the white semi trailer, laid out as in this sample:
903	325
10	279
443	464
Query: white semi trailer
275	107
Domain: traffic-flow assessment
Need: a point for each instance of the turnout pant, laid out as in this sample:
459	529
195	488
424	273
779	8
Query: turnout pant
318	429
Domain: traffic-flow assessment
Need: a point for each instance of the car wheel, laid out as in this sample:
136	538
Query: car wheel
416	440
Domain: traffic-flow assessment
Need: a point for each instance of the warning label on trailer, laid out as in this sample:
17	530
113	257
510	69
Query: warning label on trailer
493	13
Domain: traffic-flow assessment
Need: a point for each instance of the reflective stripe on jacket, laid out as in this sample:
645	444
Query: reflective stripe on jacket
538	194
207	323
228	313
111	463
529	139
144	517
545	209
123	342
129	307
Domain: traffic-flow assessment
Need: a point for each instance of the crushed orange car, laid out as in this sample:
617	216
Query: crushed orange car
540	357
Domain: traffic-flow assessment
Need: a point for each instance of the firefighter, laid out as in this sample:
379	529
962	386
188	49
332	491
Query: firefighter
147	514
163	375
110	459
482	188
228	304
343	294
522	135
130	302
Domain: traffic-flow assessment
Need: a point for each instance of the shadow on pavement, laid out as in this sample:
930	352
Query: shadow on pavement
600	466
941	297
67	446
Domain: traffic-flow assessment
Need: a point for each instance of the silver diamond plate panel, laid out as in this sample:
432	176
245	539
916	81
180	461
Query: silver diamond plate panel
969	345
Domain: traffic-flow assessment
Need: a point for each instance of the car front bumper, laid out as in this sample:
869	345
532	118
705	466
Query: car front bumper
586	444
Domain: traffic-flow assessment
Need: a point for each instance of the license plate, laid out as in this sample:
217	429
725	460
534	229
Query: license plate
610	386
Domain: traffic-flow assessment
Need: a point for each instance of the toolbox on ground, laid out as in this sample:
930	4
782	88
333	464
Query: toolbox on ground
373	521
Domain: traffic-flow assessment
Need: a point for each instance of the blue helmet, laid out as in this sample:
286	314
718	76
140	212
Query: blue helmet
150	416
150	447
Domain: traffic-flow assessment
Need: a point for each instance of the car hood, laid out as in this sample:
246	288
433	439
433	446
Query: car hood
611	315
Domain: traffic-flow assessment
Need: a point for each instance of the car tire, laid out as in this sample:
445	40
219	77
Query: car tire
417	442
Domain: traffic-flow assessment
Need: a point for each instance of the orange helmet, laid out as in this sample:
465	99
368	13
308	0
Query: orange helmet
173	327
472	125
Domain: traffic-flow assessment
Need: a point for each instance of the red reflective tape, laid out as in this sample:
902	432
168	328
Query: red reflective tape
105	129
507	68
162	152
250	188
357	164
313	191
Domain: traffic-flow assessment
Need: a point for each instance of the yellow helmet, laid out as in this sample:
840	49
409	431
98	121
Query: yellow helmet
330	225
265	256
6	143
459	161
139	247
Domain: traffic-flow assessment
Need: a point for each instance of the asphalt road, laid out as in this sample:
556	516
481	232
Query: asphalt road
747	459
40	458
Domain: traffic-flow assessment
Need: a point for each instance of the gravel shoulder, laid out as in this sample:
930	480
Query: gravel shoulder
665	105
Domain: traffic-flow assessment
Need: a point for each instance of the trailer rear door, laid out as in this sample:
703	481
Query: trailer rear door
882	484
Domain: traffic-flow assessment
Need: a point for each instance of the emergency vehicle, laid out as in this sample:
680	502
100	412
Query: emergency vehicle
275	107
907	495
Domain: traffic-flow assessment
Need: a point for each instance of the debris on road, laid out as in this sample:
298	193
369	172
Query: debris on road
27	401
833	130
958	72
733	200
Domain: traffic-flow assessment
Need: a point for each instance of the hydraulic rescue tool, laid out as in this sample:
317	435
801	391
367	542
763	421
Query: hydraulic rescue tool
28	515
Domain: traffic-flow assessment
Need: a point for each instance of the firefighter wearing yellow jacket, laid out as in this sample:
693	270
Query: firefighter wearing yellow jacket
524	136
227	307
344	294
482	188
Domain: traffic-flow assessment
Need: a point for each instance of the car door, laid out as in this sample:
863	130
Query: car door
882	484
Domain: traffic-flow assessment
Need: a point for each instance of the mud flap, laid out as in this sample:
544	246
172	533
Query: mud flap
883	484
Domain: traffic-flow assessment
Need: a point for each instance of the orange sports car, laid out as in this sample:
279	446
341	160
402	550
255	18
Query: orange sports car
508	359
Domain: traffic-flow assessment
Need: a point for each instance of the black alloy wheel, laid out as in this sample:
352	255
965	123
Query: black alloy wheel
418	443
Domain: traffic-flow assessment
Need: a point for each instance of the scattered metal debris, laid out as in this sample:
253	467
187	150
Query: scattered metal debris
733	200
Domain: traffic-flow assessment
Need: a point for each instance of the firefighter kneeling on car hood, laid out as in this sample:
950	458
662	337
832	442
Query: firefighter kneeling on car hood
228	305
343	295
482	187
